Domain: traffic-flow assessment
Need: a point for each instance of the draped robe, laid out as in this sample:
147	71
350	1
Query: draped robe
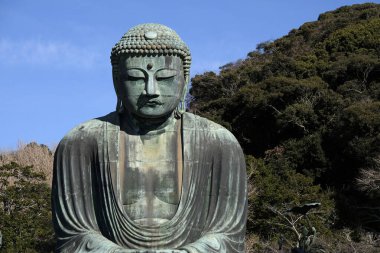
88	216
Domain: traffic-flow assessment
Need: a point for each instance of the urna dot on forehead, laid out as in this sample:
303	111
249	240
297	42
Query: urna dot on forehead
152	39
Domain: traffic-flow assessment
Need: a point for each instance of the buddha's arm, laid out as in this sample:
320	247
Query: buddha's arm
225	228
74	215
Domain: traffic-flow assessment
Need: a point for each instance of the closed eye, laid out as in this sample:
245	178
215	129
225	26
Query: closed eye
165	74
135	74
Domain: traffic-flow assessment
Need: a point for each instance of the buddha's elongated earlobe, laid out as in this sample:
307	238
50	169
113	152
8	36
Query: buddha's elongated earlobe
116	82
119	106
182	103
181	108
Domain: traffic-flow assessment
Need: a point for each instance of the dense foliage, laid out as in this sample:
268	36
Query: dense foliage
25	213
307	107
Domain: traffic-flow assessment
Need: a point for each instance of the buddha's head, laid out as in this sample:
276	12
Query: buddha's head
150	67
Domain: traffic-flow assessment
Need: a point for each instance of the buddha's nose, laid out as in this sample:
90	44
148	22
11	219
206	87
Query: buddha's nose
151	87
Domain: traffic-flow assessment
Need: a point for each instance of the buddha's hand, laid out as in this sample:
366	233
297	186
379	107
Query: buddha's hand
151	251
163	251
170	251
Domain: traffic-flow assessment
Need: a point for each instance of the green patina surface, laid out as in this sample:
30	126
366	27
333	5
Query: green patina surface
149	177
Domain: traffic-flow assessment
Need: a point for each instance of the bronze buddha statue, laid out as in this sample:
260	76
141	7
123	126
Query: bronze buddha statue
149	177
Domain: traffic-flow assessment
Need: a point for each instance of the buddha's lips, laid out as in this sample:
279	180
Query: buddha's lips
153	102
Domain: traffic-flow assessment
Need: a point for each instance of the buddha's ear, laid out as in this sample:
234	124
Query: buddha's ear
181	108
184	92
116	85
119	106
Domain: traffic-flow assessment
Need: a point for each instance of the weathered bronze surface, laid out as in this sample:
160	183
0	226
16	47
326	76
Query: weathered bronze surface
149	177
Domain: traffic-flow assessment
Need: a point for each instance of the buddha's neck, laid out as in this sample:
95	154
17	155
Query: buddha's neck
138	125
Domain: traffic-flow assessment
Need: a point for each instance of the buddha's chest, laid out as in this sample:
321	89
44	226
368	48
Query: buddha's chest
149	179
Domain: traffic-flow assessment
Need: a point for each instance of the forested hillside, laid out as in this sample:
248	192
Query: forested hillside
306	110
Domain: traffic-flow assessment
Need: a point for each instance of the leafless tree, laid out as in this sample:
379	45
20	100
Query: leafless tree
369	178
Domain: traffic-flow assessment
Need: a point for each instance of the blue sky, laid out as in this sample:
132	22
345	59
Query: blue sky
54	55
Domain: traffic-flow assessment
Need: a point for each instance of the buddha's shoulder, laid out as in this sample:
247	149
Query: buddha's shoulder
194	122
91	129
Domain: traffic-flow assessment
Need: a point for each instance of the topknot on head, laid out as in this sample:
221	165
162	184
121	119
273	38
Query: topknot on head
152	39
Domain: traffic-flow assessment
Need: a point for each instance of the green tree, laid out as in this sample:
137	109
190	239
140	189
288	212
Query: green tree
278	188
25	214
315	95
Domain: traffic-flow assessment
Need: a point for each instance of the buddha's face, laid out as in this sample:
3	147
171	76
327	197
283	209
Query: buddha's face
151	86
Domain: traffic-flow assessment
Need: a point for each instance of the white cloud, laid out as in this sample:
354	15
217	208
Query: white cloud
46	53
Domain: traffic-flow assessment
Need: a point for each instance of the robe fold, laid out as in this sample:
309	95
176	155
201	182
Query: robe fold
88	215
